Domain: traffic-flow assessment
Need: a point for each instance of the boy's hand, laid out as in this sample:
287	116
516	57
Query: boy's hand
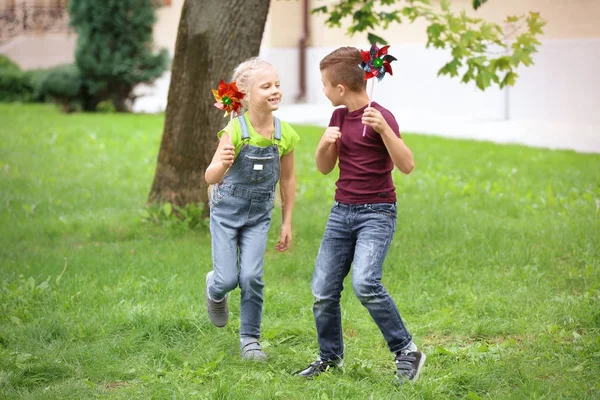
228	155
373	118
331	135
285	239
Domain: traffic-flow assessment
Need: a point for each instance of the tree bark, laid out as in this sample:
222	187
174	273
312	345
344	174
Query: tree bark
213	37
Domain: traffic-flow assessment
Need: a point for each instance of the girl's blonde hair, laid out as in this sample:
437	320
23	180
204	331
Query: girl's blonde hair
244	75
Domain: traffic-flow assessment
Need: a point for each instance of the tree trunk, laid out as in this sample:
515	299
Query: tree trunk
212	39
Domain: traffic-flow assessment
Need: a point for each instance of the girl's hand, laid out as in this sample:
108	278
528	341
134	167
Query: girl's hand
227	155
373	118
285	239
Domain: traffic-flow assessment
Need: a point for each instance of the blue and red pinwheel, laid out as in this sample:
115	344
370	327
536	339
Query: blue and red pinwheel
376	62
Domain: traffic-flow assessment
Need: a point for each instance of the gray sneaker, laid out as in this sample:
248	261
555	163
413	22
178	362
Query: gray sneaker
408	365
218	311
251	350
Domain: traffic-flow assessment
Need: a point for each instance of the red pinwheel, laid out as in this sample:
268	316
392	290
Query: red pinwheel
376	62
228	97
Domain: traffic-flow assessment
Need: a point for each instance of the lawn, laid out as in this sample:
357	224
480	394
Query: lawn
495	268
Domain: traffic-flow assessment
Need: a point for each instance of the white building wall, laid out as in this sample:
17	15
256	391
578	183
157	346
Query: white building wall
562	86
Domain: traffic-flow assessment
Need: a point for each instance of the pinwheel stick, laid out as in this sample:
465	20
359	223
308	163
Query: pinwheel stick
370	99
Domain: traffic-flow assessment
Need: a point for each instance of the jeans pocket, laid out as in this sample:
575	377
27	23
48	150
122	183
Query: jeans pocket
257	168
216	195
388	209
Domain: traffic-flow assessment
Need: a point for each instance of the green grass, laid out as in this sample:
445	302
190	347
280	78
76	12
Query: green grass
495	268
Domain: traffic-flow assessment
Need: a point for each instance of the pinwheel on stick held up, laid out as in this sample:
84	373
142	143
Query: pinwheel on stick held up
375	63
229	99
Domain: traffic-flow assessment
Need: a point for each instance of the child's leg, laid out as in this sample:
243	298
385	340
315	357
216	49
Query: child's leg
253	245
224	256
332	266
375	226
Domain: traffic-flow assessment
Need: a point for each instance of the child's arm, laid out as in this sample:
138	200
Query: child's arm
327	154
287	185
398	150
222	160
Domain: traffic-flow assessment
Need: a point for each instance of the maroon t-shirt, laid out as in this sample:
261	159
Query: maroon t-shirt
364	162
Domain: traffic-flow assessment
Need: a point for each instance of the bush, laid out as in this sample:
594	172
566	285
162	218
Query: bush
8	64
114	47
106	106
15	86
64	85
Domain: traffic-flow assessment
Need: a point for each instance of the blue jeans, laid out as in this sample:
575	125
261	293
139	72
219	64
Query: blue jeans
239	224
357	235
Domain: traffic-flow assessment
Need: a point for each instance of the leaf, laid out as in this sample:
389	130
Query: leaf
468	76
318	10
509	79
472	396
434	32
478	3
373	38
483	78
144	214
22	360
451	68
441	350
501	63
445	5
167	209
535	23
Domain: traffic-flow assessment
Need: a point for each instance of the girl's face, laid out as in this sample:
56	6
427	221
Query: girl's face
265	94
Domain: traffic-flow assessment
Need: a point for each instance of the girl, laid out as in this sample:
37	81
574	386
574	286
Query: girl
256	150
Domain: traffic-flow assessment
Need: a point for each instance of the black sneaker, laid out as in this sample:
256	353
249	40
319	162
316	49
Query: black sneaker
408	365
319	366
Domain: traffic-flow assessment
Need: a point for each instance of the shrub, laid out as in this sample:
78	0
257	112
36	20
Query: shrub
15	86
64	85
8	64
114	47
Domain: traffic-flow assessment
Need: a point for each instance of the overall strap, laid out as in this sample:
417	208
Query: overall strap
277	128
246	132
244	126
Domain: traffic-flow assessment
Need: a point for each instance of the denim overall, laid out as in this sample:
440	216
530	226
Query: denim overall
240	217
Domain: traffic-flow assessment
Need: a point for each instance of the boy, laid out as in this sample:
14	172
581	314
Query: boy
362	222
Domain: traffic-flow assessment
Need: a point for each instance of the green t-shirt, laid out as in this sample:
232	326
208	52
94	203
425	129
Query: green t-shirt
288	141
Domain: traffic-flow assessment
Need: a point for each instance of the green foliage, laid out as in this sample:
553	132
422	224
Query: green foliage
478	3
7	64
481	51
495	267
114	47
15	86
106	106
64	85
191	216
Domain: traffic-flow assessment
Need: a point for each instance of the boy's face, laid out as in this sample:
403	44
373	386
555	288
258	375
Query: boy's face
333	93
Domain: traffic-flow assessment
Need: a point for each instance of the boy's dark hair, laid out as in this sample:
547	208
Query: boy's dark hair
342	67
